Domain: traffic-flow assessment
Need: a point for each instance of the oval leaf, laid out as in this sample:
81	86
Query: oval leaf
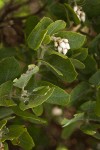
10	69
59	96
77	64
56	26
38	33
38	98
65	67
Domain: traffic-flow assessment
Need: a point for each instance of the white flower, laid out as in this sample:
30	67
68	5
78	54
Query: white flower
57	111
83	16
75	8
65	40
62	45
65	51
56	44
67	46
80	14
60	49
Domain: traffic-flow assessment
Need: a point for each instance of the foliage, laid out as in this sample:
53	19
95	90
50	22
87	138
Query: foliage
35	77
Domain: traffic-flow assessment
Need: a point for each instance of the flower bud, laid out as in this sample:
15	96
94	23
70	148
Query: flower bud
65	51
65	40
67	46
79	12
83	17
62	44
57	111
56	44
75	8
60	49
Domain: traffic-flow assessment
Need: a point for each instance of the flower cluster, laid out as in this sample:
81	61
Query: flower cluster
80	13
62	45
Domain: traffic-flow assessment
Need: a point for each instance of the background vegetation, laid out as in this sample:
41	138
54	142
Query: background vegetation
48	100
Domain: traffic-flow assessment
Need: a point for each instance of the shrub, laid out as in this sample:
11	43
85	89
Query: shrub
49	73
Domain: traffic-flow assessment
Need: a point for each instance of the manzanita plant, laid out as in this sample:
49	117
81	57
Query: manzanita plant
57	68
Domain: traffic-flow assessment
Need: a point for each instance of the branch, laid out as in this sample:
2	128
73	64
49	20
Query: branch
9	8
25	17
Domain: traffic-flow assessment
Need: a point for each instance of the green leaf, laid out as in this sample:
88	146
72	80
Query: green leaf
94	45
24	79
81	54
72	14
15	131
5	90
58	11
97	135
65	67
37	98
92	117
93	16
68	130
97	108
92	9
51	67
89	109
7	52
59	96
38	110
34	42
55	27
77	118
76	40
30	23
89	129
79	92
26	141
28	116
95	79
2	123
38	34
5	112
46	40
88	62
7	102
77	64
88	106
10	69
